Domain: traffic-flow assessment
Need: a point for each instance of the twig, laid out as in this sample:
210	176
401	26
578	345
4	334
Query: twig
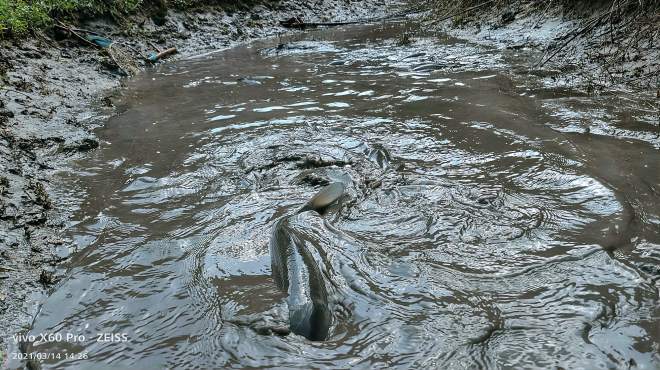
106	50
590	25
165	53
464	11
87	31
153	45
296	22
70	29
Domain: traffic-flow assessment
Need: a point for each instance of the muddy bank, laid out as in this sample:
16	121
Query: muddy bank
55	92
592	45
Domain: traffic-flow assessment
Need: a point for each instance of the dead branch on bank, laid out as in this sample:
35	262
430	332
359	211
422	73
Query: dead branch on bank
621	36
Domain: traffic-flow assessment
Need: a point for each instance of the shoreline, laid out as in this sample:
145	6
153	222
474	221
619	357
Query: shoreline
578	46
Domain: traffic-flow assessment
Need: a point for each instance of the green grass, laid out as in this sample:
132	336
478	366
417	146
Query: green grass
18	17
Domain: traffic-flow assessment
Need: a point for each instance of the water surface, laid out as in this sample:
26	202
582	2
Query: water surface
492	219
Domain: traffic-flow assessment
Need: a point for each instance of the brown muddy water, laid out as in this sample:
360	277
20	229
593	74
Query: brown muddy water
493	218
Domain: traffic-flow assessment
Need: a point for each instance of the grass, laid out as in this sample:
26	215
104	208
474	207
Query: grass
18	17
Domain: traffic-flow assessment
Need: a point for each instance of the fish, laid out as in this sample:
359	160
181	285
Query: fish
297	262
324	198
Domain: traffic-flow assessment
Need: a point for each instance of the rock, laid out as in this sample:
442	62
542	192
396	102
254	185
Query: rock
107	101
83	145
6	113
47	277
60	34
4	184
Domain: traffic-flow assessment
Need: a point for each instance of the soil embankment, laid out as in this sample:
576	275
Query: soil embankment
54	89
594	45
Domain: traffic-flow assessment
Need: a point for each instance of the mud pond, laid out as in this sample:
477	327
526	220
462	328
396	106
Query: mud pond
492	217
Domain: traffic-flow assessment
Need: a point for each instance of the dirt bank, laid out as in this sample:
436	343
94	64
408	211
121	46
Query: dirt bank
592	45
55	92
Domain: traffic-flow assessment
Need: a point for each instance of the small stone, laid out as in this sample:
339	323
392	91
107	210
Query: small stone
107	101
281	330
47	277
88	144
83	145
6	113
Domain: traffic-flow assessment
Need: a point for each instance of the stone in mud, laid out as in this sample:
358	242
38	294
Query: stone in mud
41	197
249	81
318	162
313	180
271	322
107	101
6	113
84	145
415	55
428	67
379	155
4	185
47	277
270	330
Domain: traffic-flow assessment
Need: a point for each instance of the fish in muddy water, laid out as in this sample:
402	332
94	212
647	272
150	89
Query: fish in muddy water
298	267
324	198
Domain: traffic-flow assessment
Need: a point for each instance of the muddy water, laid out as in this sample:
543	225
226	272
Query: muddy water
491	218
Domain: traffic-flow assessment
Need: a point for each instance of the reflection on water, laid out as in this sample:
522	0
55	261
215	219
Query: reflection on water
483	224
